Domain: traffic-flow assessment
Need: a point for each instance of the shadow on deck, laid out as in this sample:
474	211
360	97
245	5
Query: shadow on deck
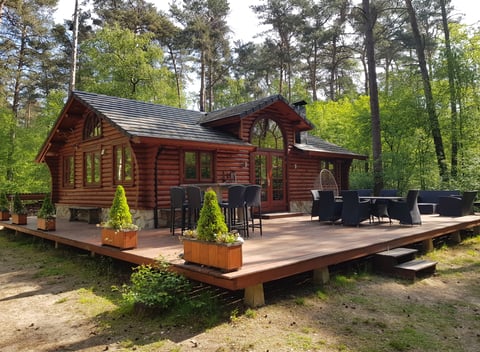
289	246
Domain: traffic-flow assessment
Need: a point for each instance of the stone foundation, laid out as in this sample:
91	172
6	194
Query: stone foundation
301	206
142	218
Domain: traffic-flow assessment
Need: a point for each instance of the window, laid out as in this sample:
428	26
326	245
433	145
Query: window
92	167
266	134
123	164
92	127
198	166
68	171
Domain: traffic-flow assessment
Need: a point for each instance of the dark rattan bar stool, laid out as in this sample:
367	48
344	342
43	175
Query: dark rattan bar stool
234	209
253	208
177	201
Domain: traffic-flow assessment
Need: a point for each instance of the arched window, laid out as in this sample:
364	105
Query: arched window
266	134
93	126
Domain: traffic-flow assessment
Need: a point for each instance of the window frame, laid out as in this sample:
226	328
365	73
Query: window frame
92	128
199	166
121	169
95	152
68	171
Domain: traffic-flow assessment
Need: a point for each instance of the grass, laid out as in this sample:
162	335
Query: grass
356	311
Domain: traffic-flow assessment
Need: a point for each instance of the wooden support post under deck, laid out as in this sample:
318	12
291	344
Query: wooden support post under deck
456	237
321	276
428	245
56	244
254	296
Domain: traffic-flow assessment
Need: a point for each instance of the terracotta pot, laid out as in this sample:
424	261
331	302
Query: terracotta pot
4	215
227	257
19	219
119	239
46	224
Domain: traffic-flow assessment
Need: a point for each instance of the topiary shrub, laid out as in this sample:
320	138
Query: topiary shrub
119	217
47	211
211	221
4	203
18	206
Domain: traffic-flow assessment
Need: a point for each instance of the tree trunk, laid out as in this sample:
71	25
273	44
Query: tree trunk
452	91
73	64
370	19
202	82
432	115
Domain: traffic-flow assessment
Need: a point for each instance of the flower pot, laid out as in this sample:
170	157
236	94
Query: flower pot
19	219
227	257
46	224
119	239
4	215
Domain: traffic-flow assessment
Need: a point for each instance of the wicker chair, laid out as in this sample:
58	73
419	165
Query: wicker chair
354	211
457	206
406	211
328	208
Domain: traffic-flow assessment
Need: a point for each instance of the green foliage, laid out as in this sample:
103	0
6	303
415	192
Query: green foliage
120	217
48	209
120	62
155	286
4	203
211	221
18	206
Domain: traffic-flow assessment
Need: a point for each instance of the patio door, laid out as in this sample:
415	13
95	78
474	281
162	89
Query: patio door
270	175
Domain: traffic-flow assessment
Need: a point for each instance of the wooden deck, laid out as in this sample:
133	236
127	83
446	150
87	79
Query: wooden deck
289	246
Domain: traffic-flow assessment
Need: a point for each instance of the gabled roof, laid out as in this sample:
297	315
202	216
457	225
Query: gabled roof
314	144
247	109
140	119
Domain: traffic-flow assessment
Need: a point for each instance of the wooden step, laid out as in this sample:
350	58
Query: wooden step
385	261
281	215
415	268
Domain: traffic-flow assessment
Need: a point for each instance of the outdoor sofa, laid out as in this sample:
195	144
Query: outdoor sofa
457	205
428	200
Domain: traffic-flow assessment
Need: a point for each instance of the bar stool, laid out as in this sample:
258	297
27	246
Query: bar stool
177	201
195	202
234	209
253	199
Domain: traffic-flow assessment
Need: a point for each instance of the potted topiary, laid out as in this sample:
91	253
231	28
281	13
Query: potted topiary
19	211
46	215
119	230
211	243
4	207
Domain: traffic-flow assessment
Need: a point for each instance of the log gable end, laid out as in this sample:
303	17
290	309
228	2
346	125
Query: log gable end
100	141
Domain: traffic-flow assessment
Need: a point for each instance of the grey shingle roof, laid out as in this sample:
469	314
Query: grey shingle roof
245	109
142	119
316	144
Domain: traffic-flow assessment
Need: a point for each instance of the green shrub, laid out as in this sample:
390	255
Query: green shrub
48	209
119	217
155	286
18	206
211	221
4	203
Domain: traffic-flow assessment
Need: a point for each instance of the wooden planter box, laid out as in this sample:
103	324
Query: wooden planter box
119	239
4	215
227	257
46	224
19	219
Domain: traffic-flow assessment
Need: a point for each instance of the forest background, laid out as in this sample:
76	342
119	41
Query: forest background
394	80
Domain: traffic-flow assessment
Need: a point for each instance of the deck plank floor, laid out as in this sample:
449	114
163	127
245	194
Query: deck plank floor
289	245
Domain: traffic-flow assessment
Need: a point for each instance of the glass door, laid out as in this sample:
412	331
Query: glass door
270	175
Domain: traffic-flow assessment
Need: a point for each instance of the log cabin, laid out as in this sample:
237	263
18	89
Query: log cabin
99	142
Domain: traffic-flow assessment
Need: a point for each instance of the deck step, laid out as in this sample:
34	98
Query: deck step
385	261
281	215
415	268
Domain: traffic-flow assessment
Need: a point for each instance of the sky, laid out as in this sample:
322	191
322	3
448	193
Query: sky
243	21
